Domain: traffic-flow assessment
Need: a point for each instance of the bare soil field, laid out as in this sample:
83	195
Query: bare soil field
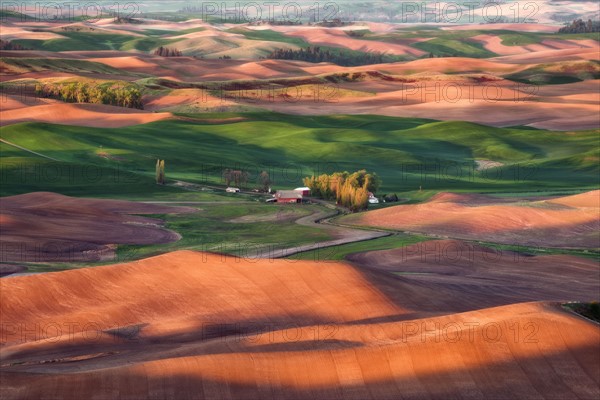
458	276
191	69
584	200
495	45
51	227
96	115
198	325
563	222
446	318
416	102
339	38
547	56
188	98
109	23
522	27
214	43
14	31
447	88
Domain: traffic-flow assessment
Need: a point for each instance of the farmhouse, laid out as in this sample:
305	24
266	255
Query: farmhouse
289	196
304	190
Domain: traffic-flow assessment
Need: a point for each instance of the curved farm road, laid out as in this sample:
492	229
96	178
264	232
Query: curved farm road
319	219
341	234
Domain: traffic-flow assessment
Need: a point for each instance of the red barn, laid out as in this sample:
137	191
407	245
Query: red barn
288	196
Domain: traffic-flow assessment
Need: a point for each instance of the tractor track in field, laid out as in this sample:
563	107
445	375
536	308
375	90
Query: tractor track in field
27	150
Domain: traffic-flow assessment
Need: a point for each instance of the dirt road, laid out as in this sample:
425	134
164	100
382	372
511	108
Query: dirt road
341	235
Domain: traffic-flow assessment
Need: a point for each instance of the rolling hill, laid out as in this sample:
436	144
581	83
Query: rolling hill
215	326
406	153
562	222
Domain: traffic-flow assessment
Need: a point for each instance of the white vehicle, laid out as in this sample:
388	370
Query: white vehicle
373	199
232	190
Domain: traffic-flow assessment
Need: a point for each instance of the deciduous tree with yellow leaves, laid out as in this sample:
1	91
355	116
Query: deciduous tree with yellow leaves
350	190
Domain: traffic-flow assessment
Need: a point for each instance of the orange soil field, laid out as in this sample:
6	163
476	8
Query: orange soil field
191	69
109	23
429	94
547	56
96	115
194	70
454	88
339	38
13	31
441	319
563	222
495	45
51	227
434	95
503	104
456	276
191	325
583	200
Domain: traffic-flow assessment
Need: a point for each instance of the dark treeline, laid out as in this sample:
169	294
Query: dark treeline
274	22
334	23
316	55
126	20
166	52
357	34
579	26
8	45
78	92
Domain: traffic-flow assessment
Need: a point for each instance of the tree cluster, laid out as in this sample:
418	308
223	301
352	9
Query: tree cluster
357	34
274	22
284	22
579	26
8	45
237	177
390	198
80	92
316	55
350	190
167	52
264	181
334	23
74	29
126	20
443	55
